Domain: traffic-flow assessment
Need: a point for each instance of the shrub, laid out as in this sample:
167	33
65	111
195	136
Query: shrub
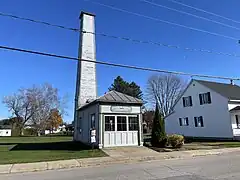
159	138
176	140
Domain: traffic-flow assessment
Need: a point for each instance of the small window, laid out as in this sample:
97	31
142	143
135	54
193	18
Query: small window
187	101
133	123
121	123
237	121
198	121
109	123
205	98
183	121
92	121
6	132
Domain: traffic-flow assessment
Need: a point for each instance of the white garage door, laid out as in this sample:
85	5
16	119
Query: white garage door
120	130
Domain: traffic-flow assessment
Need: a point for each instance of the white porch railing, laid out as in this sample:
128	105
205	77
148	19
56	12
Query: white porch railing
236	131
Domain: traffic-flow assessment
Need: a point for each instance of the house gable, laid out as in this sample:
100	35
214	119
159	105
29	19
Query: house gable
216	118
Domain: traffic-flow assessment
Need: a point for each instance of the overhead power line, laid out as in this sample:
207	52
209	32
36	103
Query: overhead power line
116	65
160	20
38	22
124	38
202	10
165	45
190	14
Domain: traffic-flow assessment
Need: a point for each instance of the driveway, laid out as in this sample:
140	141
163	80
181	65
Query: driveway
128	152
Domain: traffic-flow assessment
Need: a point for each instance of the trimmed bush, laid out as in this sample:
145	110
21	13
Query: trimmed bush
176	140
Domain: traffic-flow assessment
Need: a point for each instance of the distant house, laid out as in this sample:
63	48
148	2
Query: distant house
5	130
61	128
206	109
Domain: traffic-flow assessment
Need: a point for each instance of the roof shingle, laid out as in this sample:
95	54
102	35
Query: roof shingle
115	97
232	92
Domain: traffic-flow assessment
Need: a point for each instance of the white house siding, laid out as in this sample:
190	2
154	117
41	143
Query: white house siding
107	109
82	132
216	117
5	132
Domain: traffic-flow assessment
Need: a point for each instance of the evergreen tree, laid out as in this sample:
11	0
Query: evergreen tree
159	138
131	89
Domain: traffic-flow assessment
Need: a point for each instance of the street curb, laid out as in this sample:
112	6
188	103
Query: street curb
94	162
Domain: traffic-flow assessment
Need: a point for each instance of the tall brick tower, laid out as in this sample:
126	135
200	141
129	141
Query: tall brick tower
86	85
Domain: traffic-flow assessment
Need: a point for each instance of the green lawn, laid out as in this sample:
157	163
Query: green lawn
35	149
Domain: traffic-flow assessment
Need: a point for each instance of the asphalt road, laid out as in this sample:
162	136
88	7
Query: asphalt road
223	167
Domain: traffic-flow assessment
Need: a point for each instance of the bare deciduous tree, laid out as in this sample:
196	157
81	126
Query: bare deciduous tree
48	99
33	105
22	105
164	90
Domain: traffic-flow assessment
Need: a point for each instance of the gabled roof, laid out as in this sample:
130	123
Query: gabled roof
232	92
115	97
5	127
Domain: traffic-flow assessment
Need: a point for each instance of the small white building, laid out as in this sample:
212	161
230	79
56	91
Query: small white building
5	132
206	109
116	117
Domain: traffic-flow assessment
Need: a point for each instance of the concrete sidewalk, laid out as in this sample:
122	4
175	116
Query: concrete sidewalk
112	159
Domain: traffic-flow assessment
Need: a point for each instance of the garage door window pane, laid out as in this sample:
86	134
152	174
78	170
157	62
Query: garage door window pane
133	123
109	123
122	123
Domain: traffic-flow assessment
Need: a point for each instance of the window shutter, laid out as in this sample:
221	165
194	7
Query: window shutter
184	105
190	97
187	121
209	98
200	99
195	120
180	121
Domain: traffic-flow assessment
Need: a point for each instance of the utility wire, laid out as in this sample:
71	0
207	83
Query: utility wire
116	65
164	45
39	22
122	38
190	14
202	10
163	21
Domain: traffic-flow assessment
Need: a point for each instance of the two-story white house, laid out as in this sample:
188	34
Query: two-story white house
206	109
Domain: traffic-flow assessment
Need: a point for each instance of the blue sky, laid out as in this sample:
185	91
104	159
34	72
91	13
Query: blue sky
24	70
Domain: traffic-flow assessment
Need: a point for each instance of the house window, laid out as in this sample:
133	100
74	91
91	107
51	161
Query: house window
187	101
183	121
198	121
121	123
109	123
92	121
237	121
205	98
133	123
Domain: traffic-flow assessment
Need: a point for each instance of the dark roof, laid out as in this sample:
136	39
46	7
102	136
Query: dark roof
115	97
87	13
237	108
227	90
5	127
